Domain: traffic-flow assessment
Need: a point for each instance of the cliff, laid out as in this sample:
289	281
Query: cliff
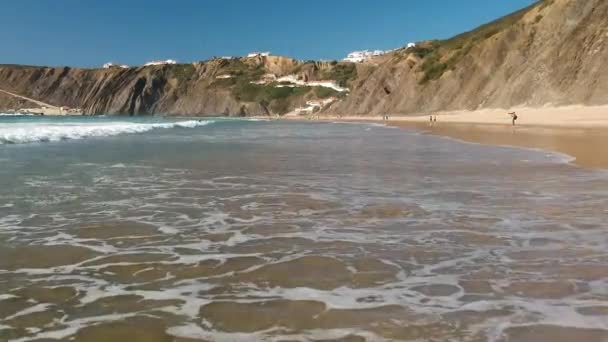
218	86
551	53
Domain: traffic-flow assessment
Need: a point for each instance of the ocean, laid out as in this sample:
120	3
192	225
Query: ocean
159	229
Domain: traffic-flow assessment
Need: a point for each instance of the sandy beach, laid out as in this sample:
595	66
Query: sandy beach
578	131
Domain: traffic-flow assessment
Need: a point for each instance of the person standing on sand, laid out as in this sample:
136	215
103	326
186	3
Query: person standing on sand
513	117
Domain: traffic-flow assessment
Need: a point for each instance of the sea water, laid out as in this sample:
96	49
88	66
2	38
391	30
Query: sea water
235	230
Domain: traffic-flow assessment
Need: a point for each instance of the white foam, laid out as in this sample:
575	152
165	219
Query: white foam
24	133
31	310
15	114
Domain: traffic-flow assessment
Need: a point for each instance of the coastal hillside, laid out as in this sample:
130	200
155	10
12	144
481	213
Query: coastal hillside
551	53
260	85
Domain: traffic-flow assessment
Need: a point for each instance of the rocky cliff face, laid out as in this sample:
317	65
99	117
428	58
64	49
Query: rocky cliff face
182	89
553	52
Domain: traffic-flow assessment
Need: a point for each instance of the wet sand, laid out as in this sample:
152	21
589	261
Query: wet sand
578	131
585	145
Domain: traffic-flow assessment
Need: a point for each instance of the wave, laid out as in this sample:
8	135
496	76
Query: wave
15	114
48	132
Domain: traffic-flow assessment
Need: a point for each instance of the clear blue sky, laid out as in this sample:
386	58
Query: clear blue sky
90	32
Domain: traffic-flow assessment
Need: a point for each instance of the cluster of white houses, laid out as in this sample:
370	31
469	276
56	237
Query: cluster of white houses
258	54
366	55
362	56
168	61
353	57
111	65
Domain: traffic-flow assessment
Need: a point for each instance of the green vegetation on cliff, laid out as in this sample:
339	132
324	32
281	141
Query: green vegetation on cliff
442	55
182	72
342	73
250	92
323	93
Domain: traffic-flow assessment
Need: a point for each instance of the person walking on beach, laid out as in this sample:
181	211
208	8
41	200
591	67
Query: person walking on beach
513	117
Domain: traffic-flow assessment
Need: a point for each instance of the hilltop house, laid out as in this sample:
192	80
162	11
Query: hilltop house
362	56
258	54
111	65
168	61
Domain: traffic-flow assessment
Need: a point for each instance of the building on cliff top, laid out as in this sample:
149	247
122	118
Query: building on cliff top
168	61
258	54
111	65
362	56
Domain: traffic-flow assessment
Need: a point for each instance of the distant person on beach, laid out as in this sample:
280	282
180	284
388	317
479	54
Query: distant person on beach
513	117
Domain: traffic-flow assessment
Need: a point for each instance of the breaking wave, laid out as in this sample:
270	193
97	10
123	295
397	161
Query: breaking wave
50	132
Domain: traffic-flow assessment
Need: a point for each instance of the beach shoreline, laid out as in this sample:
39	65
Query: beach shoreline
576	131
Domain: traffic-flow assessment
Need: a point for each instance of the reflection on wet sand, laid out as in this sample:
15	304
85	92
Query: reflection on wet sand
580	143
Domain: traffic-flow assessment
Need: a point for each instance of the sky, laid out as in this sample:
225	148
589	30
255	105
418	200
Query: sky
88	33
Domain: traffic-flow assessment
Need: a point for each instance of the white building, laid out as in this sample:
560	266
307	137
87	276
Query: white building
258	54
411	45
168	61
110	65
362	56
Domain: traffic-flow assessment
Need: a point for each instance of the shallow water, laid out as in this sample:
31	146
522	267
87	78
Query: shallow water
233	230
